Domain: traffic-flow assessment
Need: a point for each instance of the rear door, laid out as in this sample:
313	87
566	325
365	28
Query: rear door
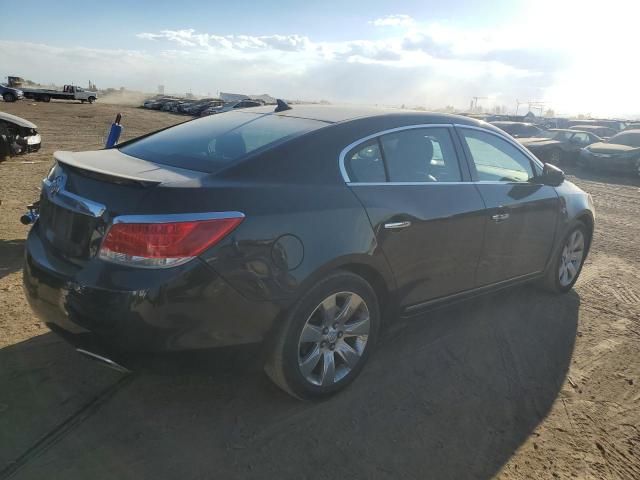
428	217
522	213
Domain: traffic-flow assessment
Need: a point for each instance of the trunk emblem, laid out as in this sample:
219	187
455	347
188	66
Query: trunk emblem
56	185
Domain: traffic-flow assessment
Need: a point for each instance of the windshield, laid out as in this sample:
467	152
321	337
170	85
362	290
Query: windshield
630	139
213	143
561	136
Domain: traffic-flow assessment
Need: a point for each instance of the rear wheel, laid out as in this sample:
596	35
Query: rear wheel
567	265
326	338
45	98
9	97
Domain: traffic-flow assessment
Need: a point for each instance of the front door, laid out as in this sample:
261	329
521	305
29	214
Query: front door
428	218
522	213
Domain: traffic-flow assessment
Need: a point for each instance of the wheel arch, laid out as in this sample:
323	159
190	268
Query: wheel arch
587	219
372	269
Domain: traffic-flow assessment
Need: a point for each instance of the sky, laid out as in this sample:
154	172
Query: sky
576	56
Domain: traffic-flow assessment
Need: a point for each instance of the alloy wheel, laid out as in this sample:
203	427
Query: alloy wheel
571	260
333	338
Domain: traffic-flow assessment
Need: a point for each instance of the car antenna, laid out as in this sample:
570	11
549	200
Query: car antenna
282	106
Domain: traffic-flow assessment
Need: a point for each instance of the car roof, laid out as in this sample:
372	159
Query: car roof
337	113
508	122
590	127
21	122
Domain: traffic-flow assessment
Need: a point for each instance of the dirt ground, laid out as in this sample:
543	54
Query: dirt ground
517	385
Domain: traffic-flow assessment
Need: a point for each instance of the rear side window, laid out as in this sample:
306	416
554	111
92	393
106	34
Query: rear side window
496	159
421	155
212	143
629	139
364	163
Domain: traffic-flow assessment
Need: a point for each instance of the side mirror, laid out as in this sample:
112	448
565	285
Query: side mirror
552	175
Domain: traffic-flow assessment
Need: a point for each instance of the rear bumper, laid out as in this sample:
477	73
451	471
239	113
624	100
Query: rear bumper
182	308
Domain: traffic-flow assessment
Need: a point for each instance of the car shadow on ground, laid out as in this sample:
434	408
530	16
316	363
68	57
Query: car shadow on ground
450	394
11	252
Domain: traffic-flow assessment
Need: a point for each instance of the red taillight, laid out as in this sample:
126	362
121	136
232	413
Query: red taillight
163	244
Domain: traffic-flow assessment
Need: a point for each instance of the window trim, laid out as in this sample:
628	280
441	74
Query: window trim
532	158
351	146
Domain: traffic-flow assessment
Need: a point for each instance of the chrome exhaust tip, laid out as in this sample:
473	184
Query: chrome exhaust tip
107	362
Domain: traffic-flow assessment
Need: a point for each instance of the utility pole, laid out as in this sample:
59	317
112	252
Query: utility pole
474	102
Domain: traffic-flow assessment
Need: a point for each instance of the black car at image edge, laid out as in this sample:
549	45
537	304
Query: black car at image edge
619	154
304	228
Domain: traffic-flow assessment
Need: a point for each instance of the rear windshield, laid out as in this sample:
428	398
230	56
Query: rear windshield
630	139
212	143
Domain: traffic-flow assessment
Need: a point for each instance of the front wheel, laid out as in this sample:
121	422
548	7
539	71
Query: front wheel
9	97
566	267
45	98
326	338
92	99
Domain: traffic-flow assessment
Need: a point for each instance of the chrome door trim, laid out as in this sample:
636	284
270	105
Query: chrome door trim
177	217
352	145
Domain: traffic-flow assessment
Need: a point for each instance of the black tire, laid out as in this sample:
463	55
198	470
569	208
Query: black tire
45	98
551	281
9	97
282	364
82	101
92	99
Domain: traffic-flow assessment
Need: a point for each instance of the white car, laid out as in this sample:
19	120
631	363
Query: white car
18	135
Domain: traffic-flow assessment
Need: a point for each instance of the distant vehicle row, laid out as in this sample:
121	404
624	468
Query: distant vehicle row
197	108
589	145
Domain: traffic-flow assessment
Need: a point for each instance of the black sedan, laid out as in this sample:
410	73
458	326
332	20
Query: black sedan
559	145
304	228
621	154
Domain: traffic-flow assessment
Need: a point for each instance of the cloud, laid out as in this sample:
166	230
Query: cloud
393	21
404	62
189	38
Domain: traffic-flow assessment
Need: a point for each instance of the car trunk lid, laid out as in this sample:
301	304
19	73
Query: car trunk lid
86	190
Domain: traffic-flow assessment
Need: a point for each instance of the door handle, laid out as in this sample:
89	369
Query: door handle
397	225
500	217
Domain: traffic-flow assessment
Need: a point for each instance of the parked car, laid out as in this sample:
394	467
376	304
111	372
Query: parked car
559	145
296	227
599	130
621	153
158	103
518	129
10	94
198	107
633	126
616	125
17	136
227	107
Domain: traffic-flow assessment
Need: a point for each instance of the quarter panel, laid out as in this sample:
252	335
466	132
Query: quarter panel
329	222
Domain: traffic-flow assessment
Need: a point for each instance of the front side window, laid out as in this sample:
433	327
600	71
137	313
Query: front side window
420	155
496	159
